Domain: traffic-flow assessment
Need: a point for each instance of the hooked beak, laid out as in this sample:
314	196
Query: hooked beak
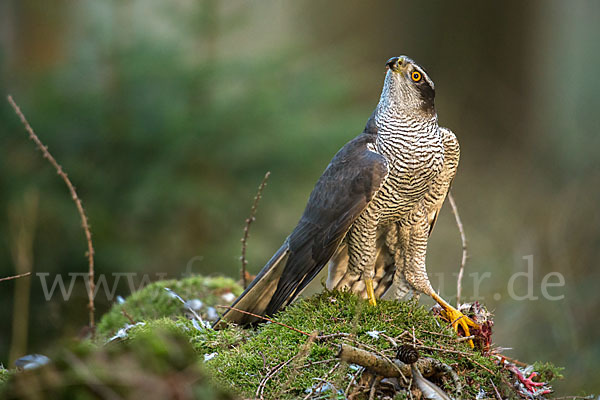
396	64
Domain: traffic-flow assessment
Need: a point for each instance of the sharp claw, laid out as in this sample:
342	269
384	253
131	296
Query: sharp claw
457	318
464	322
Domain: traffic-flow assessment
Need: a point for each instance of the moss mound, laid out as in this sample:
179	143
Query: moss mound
154	302
295	357
157	365
298	364
4	375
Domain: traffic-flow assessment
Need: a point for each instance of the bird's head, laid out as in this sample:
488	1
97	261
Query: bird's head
407	88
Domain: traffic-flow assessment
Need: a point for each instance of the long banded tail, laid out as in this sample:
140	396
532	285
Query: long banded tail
257	296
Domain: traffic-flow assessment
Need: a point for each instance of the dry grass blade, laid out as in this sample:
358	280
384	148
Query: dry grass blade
463	239
78	204
249	221
8	278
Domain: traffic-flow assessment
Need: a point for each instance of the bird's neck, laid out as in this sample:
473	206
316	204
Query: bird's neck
406	125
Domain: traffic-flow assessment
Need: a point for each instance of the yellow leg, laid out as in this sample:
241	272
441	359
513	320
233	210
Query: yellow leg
370	291
456	317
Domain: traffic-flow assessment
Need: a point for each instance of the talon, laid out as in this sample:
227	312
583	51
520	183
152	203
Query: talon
457	318
370	291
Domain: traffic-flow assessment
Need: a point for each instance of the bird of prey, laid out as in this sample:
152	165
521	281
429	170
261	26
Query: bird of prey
371	212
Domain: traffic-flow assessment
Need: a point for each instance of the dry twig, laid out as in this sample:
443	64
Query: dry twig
463	239
313	363
82	215
352	380
374	387
8	278
462	353
126	315
249	221
322	381
503	358
465	338
263	383
332	335
301	355
495	390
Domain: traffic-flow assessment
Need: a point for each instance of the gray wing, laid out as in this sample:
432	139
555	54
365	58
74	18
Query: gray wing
343	191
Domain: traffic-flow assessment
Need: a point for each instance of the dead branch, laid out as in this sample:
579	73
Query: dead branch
388	368
76	200
395	368
384	356
8	278
264	318
463	239
249	221
373	362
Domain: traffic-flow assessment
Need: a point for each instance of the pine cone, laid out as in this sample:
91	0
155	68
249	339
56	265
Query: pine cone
407	354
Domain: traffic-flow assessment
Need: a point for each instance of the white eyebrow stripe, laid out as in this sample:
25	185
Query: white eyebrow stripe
424	74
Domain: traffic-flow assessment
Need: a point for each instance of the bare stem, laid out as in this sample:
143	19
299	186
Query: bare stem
249	221
8	278
78	204
463	239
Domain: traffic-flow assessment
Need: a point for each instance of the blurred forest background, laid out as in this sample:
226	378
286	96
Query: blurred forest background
166	115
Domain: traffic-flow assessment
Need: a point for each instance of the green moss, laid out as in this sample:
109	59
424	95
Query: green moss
153	302
169	344
547	372
4	375
159	363
243	366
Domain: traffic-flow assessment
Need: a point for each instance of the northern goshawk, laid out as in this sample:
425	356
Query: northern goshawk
372	211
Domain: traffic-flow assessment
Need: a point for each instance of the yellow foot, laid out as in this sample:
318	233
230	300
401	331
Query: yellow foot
456	318
370	291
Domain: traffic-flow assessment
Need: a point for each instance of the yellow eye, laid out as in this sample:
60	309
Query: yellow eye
416	76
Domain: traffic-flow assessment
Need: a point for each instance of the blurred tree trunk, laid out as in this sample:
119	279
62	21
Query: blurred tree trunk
22	220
